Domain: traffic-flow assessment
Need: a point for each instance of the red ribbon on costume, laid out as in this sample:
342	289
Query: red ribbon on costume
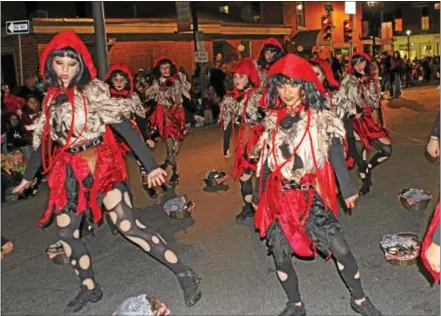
116	94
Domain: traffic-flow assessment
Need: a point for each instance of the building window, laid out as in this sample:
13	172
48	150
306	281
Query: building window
399	25
424	18
437	5
300	13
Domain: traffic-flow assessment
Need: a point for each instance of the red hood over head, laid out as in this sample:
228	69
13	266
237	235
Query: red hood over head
247	67
363	54
123	68
270	41
68	39
296	67
159	59
328	71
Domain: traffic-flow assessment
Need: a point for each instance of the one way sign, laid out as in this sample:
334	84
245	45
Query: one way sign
17	27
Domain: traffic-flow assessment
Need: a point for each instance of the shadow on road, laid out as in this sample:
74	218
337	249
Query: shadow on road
411	105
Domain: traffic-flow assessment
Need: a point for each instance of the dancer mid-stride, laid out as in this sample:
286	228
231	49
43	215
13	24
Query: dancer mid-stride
120	80
74	142
168	89
240	107
301	141
364	130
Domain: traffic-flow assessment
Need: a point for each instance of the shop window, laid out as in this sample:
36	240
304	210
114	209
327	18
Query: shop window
300	13
437	5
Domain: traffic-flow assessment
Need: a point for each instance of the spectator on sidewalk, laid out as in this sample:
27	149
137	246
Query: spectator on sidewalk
30	88
12	103
16	134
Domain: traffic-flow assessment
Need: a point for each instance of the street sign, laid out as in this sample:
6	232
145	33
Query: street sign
201	57
17	27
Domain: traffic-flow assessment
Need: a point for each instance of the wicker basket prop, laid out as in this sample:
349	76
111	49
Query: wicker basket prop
215	181
402	249
415	199
178	207
55	252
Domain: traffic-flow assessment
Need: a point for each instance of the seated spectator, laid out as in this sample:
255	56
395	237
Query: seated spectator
31	111
13	104
9	178
30	88
16	135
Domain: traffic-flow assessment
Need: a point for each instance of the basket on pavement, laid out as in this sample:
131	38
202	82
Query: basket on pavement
415	199
402	249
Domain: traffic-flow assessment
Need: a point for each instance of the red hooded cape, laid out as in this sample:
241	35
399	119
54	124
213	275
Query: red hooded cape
290	207
247	67
270	41
328	71
125	69
434	225
110	167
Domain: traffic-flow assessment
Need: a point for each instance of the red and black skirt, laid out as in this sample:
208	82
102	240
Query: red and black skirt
248	138
77	180
170	122
367	129
298	220
434	225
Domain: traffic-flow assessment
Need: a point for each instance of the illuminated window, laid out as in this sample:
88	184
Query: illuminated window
424	23
437	5
224	9
300	13
398	25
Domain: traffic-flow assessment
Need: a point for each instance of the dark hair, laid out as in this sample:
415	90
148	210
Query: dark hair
398	54
250	84
121	73
80	80
326	84
261	61
359	59
157	72
312	95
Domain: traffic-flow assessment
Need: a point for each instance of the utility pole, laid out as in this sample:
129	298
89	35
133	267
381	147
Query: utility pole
100	38
196	40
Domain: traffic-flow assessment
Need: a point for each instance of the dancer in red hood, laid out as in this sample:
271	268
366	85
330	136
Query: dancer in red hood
364	129
74	142
300	142
168	89
338	103
270	52
241	107
120	80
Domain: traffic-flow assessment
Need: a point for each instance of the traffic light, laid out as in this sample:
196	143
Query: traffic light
347	27
327	27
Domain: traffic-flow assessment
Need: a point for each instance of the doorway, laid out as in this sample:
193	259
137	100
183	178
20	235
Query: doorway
8	70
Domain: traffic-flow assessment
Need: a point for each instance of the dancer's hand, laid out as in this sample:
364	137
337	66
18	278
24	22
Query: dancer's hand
433	256
156	177
162	310
350	201
433	147
24	184
150	143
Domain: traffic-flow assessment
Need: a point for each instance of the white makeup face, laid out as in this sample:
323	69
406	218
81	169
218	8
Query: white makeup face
240	81
66	69
119	82
320	75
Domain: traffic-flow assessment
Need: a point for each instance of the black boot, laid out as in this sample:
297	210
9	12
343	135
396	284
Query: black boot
175	177
366	308
165	164
83	297
247	211
292	309
113	230
189	282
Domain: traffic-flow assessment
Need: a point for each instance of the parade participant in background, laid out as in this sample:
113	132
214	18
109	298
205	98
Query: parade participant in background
240	107
120	80
337	101
361	87
87	169
168	90
13	103
270	52
301	140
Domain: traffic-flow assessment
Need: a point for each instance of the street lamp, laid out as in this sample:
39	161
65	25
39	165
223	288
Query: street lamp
408	43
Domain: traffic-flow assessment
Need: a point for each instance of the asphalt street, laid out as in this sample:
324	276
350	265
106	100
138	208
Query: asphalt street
238	278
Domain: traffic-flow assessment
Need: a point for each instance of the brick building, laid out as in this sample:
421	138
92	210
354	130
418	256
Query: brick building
135	41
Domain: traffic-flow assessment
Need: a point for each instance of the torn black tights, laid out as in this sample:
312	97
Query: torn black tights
68	229
346	264
149	240
384	152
